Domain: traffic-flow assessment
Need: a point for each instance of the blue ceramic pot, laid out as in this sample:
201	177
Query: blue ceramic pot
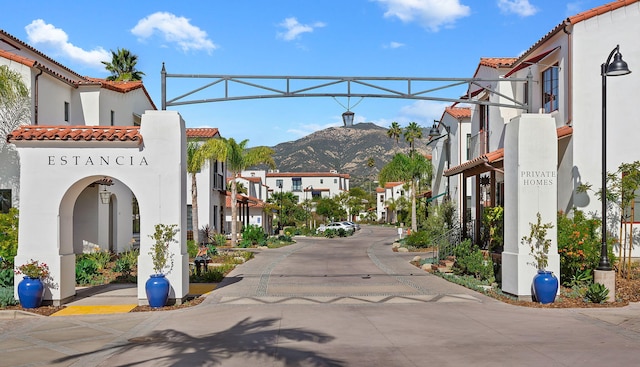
30	292
157	289
545	286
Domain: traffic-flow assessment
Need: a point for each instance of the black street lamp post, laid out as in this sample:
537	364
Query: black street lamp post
615	68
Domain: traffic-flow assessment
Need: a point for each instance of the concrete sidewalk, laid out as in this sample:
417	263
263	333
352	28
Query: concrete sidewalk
327	303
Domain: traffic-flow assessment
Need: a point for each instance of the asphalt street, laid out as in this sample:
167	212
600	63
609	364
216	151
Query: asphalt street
331	302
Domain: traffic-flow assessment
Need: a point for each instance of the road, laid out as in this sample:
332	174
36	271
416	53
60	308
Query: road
332	302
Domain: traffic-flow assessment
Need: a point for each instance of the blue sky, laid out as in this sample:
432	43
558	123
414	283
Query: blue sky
401	38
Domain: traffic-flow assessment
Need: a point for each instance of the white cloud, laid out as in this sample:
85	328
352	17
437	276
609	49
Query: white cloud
519	7
394	45
174	30
39	32
423	112
431	14
294	29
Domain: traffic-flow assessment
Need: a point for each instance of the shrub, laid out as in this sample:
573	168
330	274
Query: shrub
597	293
9	234
471	261
192	248
330	233
253	235
213	274
86	270
578	244
6	297
123	266
101	258
6	277
219	239
419	239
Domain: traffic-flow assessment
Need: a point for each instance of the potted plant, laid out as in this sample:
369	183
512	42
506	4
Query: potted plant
31	287
545	284
157	286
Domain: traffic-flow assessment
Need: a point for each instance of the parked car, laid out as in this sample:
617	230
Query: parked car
336	226
355	225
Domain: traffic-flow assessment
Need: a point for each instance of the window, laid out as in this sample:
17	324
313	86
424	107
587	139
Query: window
279	184
296	184
66	111
321	181
335	180
113	117
5	200
550	89
635	205
468	146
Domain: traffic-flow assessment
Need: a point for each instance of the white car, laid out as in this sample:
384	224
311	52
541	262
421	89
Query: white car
335	225
355	225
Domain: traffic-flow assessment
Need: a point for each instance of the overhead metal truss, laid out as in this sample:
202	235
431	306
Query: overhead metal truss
241	87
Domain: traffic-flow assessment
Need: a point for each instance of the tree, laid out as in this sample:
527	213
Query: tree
412	132
394	131
15	104
238	158
330	208
195	161
123	66
409	169
288	202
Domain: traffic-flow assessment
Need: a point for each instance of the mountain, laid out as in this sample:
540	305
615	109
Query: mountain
344	149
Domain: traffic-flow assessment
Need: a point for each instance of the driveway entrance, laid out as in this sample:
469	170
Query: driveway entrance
351	270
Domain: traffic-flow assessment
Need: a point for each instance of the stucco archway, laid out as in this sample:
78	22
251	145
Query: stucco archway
57	164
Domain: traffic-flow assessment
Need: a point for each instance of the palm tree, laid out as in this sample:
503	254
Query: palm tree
394	131
411	169
412	132
195	161
238	158
15	104
123	66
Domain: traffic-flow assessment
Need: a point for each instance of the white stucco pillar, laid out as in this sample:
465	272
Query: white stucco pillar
530	173
163	201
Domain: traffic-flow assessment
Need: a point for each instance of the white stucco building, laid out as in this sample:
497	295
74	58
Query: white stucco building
566	86
84	158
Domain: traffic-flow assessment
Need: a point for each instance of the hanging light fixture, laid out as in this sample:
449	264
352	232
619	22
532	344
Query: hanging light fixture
105	196
347	118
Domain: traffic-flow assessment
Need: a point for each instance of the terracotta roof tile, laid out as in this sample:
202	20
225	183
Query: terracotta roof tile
24	45
600	10
76	133
459	112
202	132
307	174
17	58
497	62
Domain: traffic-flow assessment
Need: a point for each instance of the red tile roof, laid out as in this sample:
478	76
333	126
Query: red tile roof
307	174
458	112
74	79
76	133
497	62
202	132
574	20
600	10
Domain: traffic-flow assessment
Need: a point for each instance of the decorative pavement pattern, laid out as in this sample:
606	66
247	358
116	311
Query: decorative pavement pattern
386	286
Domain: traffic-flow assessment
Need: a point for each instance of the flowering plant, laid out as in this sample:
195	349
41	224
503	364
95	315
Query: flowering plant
33	269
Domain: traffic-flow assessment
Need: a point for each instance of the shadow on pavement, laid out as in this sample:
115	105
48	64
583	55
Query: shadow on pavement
245	339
